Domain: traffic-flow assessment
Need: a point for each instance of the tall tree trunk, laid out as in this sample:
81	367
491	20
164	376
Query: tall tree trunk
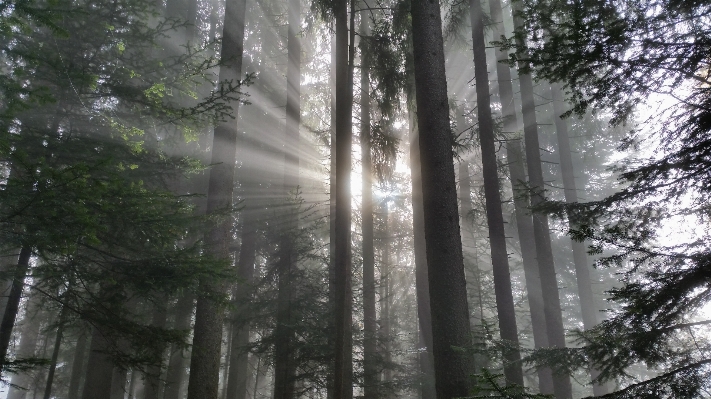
176	362
427	385
343	369
447	286
55	353
386	295
207	339
28	345
332	221
77	366
580	258
13	303
99	369
551	301
494	215
118	384
370	372
284	351
7	263
239	356
524	223
153	383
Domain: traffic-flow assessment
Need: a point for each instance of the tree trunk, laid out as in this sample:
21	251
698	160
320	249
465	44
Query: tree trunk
551	301
13	304
207	339
176	363
427	385
580	257
386	296
118	384
99	369
370	372
77	366
343	369
28	345
447	286
239	356
332	221
494	215
152	382
7	263
55	353
284	351
524	223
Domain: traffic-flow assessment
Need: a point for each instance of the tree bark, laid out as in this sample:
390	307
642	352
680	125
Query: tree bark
284	351
494	215
28	345
580	258
118	384
447	286
343	369
152	382
551	300
55	353
204	377
99	369
176	362
77	366
370	372
13	304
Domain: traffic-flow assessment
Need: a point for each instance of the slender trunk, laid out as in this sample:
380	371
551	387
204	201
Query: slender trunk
494	215
385	295
342	385
13	304
204	377
524	223
153	383
239	356
427	386
580	258
99	369
332	221
77	366
551	301
447	285
284	352
55	353
28	345
176	363
370	372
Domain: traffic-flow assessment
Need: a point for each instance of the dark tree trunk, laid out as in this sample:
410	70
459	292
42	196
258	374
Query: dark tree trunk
370	372
55	353
447	286
13	304
284	351
551	301
332	221
7	263
118	384
176	363
386	295
153	382
77	366
494	215
524	223
99	369
207	339
239	356
28	345
580	258
427	385
342	387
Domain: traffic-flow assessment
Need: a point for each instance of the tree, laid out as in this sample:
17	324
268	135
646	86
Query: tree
613	58
447	286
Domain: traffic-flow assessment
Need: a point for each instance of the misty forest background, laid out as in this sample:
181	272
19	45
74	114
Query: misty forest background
241	199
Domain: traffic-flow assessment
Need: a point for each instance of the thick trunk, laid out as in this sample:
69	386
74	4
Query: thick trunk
13	304
343	369
370	372
494	215
524	223
239	356
580	258
7	263
447	286
28	344
78	366
99	369
551	301
176	363
427	386
284	352
118	384
207	339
